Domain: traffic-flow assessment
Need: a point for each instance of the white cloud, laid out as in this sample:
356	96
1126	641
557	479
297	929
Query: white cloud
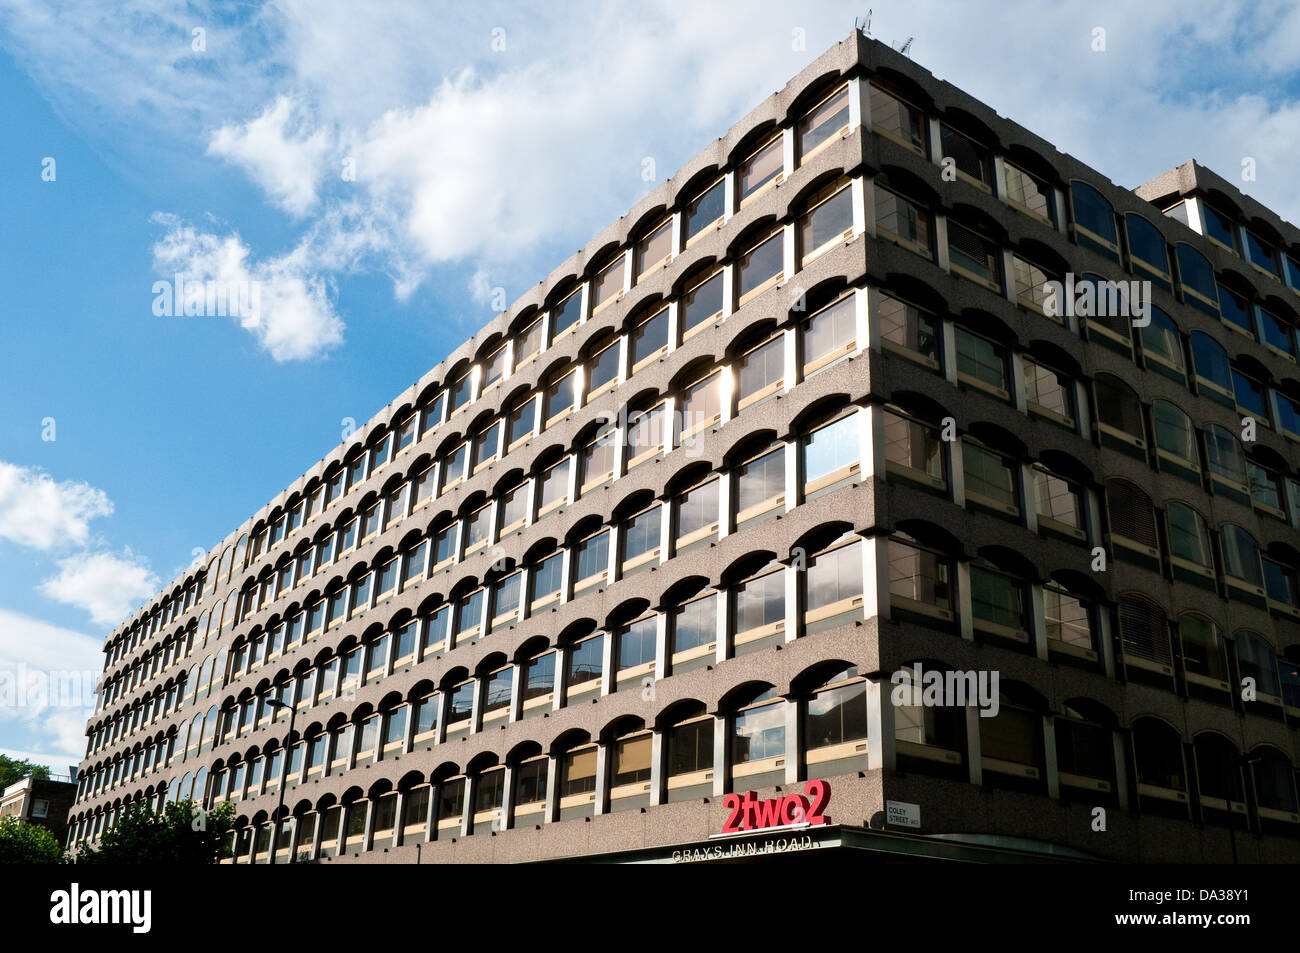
106	585
294	317
278	153
36	511
47	674
504	161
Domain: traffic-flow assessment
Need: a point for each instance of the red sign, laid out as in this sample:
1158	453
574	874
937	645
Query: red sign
748	813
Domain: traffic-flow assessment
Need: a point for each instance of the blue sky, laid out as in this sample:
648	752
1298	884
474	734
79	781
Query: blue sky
483	146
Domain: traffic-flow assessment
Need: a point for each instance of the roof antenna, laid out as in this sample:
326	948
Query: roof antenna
906	46
863	24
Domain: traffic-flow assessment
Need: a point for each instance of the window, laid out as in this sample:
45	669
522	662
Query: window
585	666
649	339
451	804
494	367
897	119
1119	413
460	710
1148	254
1031	284
568	312
459	394
1162	347
546	581
1068	621
833	582
431	416
1250	397
759	610
835	723
1219	228
765	166
469	616
597	461
824	122
828	221
830	454
1240	556
702	304
577	782
645	435
560	397
981	364
530	341
606	287
655	249
630	771
706	210
970	159
553	490
1235	311
1213	372
690	758
1276	334
1132	523
1261	254
907	330
998	603
1189	542
901	220
699	407
444	546
1226	461
1204	654
386	580
436	632
762	266
1288	415
761	372
496	695
505	600
693	633
513	508
1256	660
1175	439
426	718
913	451
637	646
697	515
423	488
530	788
1094	221
591	561
1029	193
520	423
1144	634
1279	585
1049	394
537	682
829	335
453	470
602	370
758	739
1265	489
1060	505
760	485
486	445
640	539
1196	279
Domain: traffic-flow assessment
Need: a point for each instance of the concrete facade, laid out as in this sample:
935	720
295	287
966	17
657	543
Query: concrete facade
868	508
